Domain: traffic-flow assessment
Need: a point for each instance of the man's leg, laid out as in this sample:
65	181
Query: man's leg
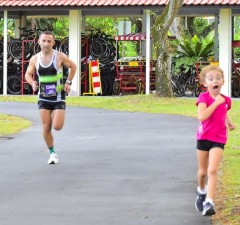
58	117
46	117
47	126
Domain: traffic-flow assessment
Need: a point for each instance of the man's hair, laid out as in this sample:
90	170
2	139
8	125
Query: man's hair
46	32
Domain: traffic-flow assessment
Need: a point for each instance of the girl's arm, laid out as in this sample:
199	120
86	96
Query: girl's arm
229	123
205	112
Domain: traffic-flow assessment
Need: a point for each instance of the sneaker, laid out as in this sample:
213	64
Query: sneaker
208	209
53	158
199	201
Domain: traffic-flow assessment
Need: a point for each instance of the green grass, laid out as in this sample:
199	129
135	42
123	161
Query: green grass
131	103
228	196
11	124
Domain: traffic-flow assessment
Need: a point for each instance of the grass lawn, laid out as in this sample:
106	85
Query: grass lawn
228	196
11	124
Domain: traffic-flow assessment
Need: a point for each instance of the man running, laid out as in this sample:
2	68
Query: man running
48	65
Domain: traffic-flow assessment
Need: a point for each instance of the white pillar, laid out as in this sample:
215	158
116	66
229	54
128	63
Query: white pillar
148	49
144	27
75	48
225	48
5	37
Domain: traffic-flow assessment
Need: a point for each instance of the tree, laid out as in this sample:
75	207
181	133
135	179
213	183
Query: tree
163	48
177	28
199	26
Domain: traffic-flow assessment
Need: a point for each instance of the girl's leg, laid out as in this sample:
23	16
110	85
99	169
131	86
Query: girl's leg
215	156
202	158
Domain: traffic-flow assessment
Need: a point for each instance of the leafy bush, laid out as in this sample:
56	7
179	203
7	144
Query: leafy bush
191	50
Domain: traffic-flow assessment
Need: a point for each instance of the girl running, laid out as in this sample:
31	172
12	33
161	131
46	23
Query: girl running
211	136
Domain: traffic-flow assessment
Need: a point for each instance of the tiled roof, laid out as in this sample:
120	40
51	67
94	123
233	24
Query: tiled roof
22	3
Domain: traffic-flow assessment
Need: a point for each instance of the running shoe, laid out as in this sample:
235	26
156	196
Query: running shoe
53	158
199	201
208	209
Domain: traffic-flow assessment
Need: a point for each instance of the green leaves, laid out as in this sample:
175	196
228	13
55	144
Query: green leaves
191	50
195	47
186	48
207	50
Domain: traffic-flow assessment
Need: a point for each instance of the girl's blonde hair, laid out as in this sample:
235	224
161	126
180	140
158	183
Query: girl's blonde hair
208	68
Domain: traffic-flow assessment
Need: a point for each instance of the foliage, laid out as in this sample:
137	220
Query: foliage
192	50
128	49
195	44
11	23
236	53
106	25
41	23
199	26
236	36
236	28
60	27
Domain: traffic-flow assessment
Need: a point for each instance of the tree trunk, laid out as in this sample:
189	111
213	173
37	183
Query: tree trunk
177	28
163	48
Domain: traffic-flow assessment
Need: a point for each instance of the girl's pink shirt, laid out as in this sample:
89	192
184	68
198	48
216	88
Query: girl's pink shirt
214	128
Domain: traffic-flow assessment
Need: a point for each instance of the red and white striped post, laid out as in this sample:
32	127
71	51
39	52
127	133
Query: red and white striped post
96	79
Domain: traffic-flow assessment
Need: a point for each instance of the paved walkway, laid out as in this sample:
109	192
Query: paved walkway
116	168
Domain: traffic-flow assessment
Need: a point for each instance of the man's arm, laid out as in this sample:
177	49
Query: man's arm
66	61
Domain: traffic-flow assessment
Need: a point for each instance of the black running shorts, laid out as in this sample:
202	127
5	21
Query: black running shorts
206	145
51	105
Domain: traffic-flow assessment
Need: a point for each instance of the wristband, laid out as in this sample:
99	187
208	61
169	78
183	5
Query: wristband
69	82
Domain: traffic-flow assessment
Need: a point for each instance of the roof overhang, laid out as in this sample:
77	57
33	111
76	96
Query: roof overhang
186	10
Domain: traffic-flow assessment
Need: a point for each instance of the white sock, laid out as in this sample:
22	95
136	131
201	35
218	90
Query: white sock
203	192
209	200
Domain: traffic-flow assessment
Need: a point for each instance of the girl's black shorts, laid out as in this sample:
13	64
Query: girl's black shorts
206	145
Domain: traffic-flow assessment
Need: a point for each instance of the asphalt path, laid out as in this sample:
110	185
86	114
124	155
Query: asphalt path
116	168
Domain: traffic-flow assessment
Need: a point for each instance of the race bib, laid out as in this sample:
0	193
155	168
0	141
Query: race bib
48	90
